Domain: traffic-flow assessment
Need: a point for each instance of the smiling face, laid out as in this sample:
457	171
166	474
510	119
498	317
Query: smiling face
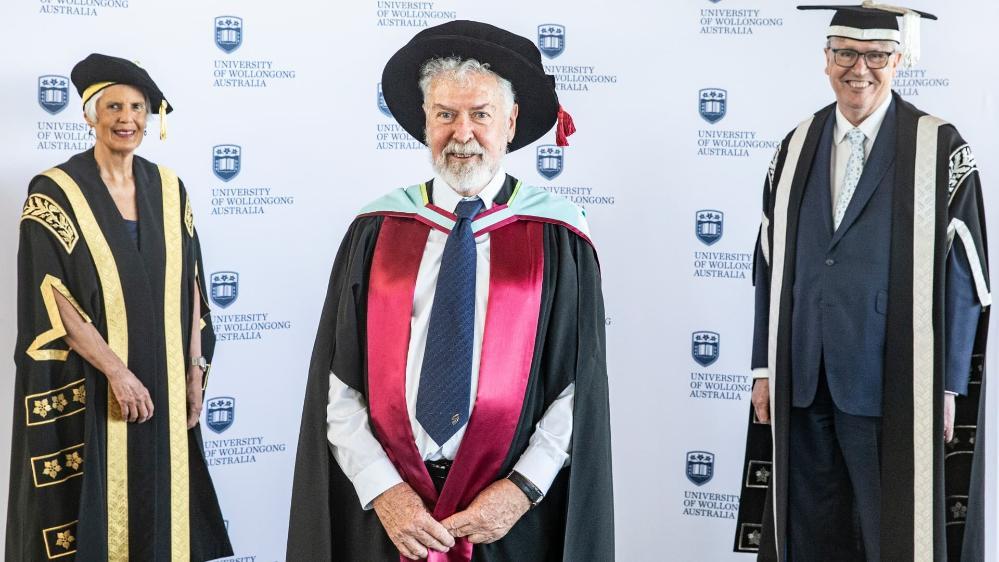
859	89
467	130
121	118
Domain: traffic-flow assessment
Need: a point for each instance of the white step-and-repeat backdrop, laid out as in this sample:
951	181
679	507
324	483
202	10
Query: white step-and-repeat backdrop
280	136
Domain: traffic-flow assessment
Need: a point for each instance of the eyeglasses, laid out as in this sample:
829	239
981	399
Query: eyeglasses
846	58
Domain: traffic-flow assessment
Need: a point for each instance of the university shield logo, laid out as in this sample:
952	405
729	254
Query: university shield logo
712	104
228	33
53	93
715	1
700	467
382	106
705	347
550	159
224	287
226	160
221	413
551	39
709	225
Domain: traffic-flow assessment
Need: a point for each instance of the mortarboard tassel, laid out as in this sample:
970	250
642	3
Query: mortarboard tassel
910	30
564	127
163	108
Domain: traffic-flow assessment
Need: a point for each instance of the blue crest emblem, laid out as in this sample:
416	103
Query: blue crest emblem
224	287
226	160
700	467
715	1
713	103
550	158
705	347
551	39
228	33
382	106
221	413
709	225
53	93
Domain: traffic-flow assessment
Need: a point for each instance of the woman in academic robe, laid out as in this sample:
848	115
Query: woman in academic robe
113	348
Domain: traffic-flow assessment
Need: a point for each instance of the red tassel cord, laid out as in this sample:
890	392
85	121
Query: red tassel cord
564	127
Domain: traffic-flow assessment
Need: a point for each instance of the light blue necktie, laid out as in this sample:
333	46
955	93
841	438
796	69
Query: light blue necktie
854	168
446	375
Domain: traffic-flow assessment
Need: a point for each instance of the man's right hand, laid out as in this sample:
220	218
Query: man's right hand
761	399
408	523
132	396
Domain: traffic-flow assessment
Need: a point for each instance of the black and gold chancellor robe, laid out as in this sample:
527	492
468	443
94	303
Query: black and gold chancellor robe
84	484
932	493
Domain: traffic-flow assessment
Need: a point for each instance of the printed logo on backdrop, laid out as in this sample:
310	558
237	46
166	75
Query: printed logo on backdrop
700	467
700	470
551	39
409	13
705	347
220	416
389	135
228	162
69	133
572	76
712	106
83	8
240	326
709	225
911	82
224	288
736	21
221	412
229	33
53	93
225	161
550	163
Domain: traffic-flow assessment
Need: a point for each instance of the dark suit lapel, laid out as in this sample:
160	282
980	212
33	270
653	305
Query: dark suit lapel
881	158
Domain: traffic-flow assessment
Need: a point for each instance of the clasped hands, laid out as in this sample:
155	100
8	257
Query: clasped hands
415	532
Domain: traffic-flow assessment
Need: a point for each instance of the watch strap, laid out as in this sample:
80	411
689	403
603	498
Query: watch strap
533	493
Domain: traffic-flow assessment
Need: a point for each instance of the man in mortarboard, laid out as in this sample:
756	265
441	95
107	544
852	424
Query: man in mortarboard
872	296
457	406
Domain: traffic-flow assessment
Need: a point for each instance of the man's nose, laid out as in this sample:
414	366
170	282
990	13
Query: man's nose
463	131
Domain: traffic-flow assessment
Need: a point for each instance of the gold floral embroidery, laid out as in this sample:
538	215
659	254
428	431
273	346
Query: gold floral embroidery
42	407
74	460
52	468
59	402
65	539
189	218
43	210
80	394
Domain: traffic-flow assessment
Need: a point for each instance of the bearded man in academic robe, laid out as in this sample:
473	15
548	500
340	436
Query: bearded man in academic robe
872	296
114	340
457	405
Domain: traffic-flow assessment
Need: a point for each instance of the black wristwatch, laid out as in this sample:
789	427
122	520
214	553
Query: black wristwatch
532	492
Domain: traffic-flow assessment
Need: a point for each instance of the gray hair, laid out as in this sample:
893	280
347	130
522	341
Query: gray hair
90	108
459	70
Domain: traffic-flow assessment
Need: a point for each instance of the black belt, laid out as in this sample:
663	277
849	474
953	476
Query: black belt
438	469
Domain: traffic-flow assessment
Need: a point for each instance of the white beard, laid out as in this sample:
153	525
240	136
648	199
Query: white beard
469	177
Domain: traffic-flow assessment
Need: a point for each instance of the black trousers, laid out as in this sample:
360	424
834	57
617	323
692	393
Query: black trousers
834	483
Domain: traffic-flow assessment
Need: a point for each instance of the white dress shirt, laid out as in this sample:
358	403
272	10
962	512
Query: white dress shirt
841	145
348	428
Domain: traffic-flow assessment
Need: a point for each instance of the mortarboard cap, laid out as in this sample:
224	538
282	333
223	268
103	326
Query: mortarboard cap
871	21
97	71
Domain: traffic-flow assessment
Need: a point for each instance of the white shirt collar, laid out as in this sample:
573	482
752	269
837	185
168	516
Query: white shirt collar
869	126
447	198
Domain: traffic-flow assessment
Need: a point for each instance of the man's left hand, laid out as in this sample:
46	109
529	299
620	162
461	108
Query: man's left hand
194	395
491	514
949	409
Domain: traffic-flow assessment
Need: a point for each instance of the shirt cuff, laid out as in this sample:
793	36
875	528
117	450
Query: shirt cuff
951	392
541	465
761	373
373	480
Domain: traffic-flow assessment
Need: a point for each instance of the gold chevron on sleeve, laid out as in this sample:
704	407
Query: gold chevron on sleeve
189	217
49	284
46	212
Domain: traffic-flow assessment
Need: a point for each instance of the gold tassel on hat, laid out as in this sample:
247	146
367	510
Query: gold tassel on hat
163	108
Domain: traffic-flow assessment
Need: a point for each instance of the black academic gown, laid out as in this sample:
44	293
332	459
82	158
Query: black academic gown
932	493
84	484
574	522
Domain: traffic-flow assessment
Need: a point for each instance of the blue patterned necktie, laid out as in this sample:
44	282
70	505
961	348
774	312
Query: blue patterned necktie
446	375
854	168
